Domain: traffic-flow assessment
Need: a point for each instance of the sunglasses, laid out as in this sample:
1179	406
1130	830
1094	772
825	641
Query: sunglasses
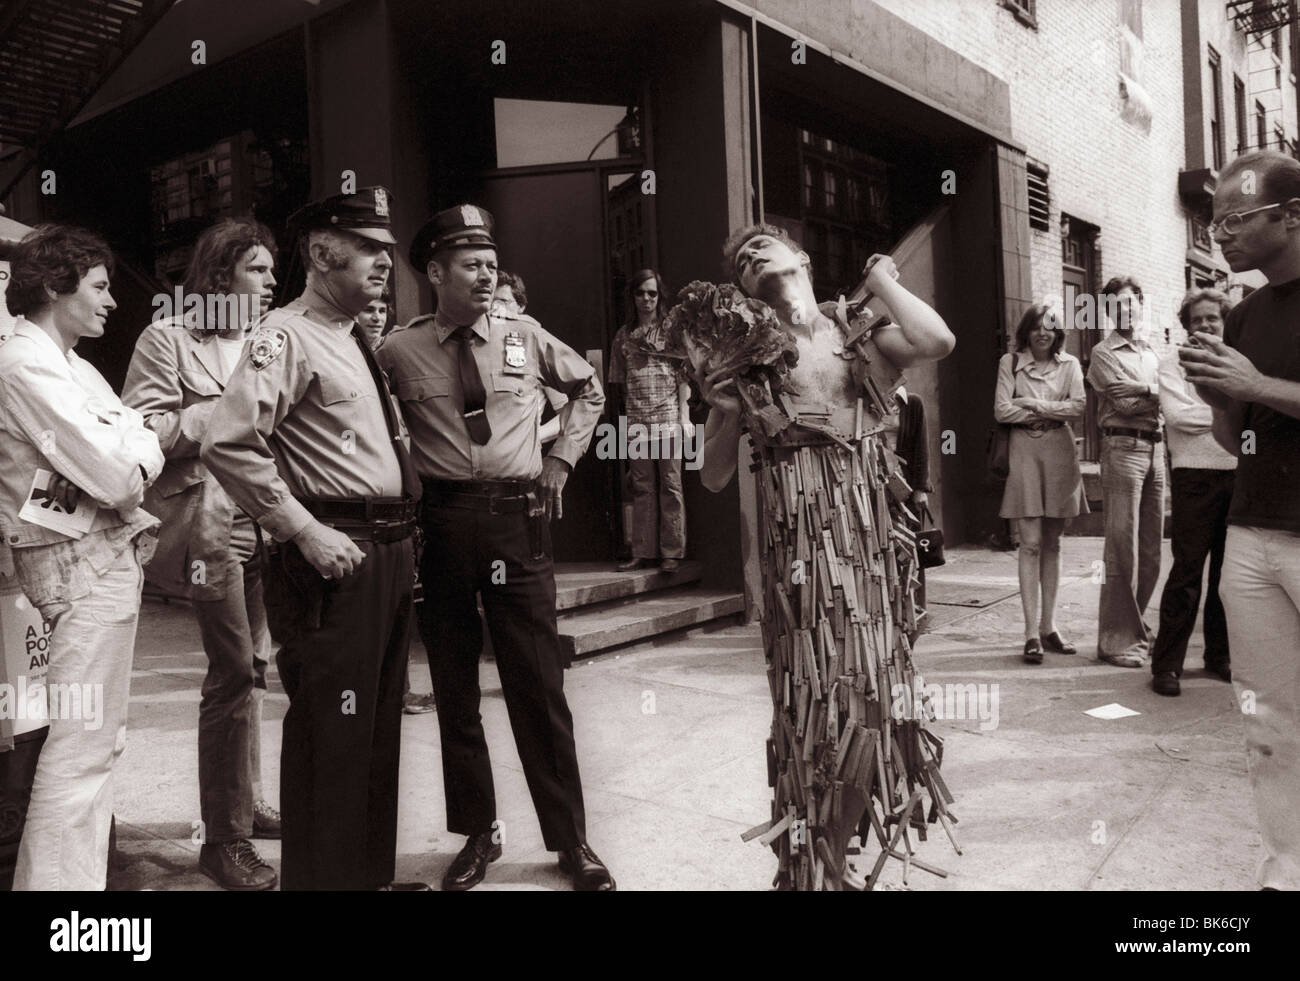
651	294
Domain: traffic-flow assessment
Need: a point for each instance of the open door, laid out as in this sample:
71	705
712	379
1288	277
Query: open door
555	228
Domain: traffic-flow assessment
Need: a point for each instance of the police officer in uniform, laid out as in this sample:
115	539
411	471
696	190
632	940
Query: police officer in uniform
306	440
470	386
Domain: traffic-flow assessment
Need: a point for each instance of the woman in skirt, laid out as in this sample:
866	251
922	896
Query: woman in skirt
1040	389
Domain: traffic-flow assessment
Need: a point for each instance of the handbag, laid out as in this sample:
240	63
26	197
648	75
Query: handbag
998	451
929	541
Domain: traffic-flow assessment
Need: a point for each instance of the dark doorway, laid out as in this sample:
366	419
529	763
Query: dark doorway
574	231
1083	316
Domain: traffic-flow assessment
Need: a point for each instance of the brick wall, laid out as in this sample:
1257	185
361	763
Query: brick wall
1065	108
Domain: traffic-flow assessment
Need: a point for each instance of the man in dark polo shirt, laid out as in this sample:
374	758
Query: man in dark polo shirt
1252	381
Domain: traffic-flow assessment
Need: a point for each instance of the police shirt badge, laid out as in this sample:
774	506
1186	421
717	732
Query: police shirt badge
381	202
266	346
470	215
515	357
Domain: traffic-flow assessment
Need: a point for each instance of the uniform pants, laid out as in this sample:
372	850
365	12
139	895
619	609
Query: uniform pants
658	506
342	659
1261	594
468	552
238	647
1200	523
65	839
1133	492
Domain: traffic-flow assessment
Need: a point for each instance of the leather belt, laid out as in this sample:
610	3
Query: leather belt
1041	425
493	496
362	510
1150	437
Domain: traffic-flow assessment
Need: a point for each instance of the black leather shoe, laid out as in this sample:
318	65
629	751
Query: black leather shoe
1054	643
1221	671
406	887
266	820
1166	683
1033	651
235	865
670	565
587	870
633	565
469	867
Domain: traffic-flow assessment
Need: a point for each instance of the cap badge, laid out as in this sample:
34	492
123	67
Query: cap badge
381	202
470	215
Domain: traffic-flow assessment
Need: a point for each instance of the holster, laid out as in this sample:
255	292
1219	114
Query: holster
293	592
537	522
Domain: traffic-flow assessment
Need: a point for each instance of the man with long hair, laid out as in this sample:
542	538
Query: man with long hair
207	547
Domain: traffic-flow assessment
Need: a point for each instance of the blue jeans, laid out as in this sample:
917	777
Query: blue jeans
1133	492
238	646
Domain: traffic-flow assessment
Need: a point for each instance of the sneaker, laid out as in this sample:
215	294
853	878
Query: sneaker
266	821
235	865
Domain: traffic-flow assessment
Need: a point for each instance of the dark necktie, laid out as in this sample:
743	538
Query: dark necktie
411	486
471	386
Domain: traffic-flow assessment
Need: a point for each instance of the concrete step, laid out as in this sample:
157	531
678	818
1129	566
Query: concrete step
592	629
584	583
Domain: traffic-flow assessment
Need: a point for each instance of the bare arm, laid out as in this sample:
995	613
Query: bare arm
923	335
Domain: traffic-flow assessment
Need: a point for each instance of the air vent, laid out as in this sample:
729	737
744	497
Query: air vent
1040	198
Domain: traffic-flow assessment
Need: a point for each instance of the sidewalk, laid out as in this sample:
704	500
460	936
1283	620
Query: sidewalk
671	742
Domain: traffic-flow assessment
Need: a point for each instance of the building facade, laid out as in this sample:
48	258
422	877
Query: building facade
1042	146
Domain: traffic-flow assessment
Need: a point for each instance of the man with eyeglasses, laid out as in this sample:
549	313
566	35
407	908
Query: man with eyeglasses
1124	373
1251	379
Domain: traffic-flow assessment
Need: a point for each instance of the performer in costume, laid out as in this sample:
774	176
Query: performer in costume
849	753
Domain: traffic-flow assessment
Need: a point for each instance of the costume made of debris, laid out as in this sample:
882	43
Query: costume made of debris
849	754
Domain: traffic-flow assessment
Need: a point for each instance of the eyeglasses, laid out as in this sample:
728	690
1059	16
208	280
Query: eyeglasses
1233	222
649	294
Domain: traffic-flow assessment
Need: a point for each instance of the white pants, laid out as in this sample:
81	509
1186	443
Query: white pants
1260	588
65	839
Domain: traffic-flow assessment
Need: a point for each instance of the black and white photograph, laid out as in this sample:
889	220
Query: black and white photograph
651	446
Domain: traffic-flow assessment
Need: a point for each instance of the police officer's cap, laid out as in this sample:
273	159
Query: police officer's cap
365	213
464	226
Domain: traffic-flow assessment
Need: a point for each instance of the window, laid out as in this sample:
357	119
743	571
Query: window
1276	40
1216	111
1261	126
1239	106
1024	11
1279	138
1040	201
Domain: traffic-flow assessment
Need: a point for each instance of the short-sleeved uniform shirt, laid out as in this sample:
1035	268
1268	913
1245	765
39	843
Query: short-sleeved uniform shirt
300	417
515	357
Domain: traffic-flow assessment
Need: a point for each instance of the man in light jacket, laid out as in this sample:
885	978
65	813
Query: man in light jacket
207	547
59	415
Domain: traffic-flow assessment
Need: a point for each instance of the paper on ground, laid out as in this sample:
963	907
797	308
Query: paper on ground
1112	711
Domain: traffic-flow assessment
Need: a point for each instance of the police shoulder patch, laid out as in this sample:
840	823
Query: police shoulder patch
266	346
